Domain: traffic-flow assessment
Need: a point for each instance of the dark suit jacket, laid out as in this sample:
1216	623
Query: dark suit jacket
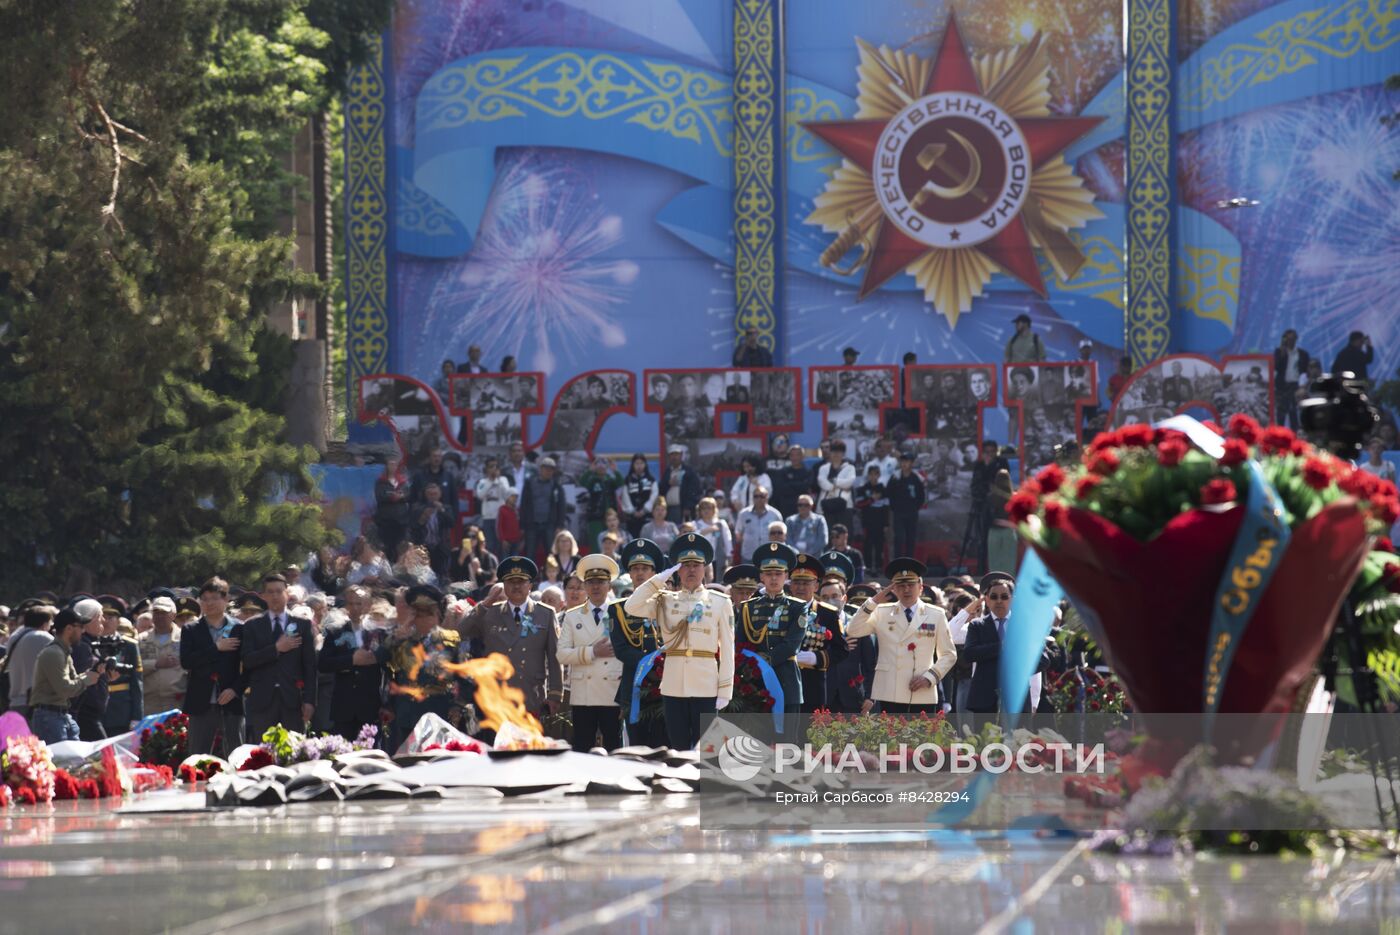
555	517
286	679
983	647
690	487
852	665
358	691
1281	363
209	668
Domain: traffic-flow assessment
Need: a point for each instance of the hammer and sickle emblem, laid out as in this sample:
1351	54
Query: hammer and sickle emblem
932	154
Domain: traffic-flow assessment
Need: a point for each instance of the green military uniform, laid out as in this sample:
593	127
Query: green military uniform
773	626
632	639
419	685
125	694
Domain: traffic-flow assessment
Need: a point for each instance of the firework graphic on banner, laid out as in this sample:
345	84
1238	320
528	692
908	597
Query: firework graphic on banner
537	281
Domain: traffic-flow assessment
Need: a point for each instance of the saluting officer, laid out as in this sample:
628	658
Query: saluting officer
823	635
585	646
125	697
771	621
915	647
635	637
742	581
697	637
851	673
524	631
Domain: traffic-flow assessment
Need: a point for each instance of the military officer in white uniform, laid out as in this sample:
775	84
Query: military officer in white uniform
915	646
585	646
697	639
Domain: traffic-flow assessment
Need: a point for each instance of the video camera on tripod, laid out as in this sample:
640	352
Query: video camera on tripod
109	651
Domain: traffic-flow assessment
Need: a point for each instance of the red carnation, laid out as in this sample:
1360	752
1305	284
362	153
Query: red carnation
89	789
1236	452
1094	706
1278	440
1317	474
1383	544
65	787
1390	577
1050	478
1244	428
1103	463
1359	484
1218	490
257	759
1387	508
1103	441
860	679
1020	507
1171	451
826	634
300	684
911	646
1300	448
1055	513
1135	436
26	795
1086	485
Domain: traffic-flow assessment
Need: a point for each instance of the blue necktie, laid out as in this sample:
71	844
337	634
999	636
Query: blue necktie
1001	628
909	614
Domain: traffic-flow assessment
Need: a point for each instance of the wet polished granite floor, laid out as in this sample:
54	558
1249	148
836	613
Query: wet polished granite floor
555	864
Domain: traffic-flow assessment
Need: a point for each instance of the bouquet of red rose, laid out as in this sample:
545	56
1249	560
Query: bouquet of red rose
165	744
28	770
751	696
1143	536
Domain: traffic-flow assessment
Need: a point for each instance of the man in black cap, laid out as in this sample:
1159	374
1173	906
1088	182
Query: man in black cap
279	663
852	670
210	654
633	639
742	582
1025	346
126	683
824	639
771	622
524	631
697	639
915	647
418	655
57	682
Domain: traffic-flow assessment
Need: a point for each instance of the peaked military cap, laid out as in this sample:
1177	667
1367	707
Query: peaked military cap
518	566
423	597
642	552
742	576
111	604
692	547
807	567
858	593
905	569
774	555
992	577
836	565
597	567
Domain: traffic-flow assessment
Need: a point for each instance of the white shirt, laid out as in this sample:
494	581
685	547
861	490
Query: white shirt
752	527
888	465
839	485
492	492
1290	366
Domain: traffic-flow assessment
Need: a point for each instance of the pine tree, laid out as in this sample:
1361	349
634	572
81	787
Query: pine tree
140	184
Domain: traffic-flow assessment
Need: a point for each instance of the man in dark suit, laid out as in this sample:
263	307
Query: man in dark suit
1290	369
209	654
852	670
279	662
983	647
348	651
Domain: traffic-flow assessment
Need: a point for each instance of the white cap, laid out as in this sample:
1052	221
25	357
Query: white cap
87	608
163	603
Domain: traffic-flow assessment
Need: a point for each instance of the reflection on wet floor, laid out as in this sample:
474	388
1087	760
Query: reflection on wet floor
627	864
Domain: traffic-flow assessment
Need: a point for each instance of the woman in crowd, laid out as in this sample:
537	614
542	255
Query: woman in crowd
565	553
367	564
1374	463
612	524
391	512
637	495
660	530
716	530
473	561
1001	537
836	478
573	591
751	478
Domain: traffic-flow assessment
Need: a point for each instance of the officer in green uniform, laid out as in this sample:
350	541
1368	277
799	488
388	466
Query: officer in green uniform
125	697
771	622
634	637
824	640
418	683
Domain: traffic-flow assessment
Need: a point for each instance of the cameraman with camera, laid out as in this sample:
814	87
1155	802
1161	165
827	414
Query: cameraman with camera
90	706
122	657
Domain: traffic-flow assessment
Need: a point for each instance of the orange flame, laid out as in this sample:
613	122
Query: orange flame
498	702
411	691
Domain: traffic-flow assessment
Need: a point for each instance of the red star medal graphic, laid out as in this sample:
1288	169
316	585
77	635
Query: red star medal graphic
952	169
